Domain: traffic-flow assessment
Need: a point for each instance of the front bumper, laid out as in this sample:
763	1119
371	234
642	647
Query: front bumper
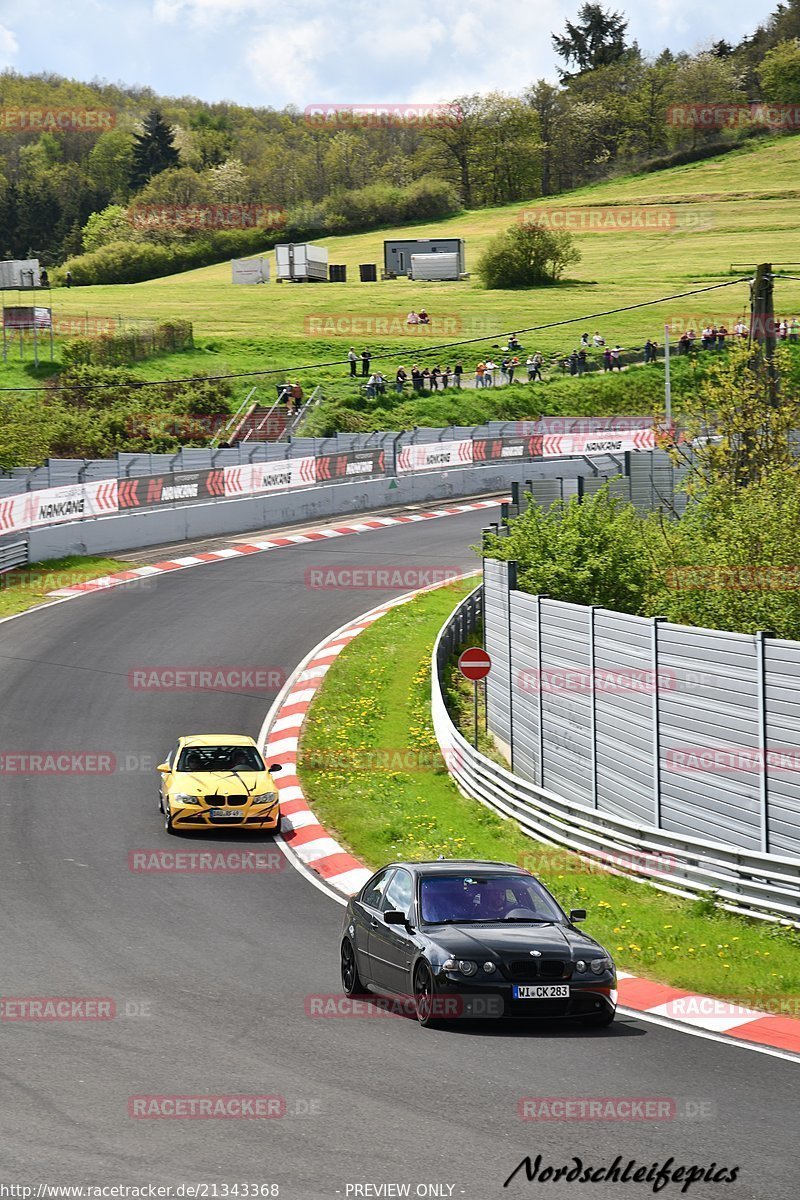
475	998
191	817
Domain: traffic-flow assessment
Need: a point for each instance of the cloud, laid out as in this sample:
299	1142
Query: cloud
9	46
285	59
208	12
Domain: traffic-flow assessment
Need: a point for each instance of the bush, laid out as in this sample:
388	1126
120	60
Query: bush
133	262
120	349
526	256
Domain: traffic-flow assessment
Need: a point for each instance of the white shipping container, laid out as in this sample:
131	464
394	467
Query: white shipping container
434	266
301	261
19	273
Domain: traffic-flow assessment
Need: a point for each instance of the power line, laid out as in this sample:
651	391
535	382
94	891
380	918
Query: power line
393	353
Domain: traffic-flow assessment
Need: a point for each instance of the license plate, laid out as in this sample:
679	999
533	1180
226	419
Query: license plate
541	991
232	814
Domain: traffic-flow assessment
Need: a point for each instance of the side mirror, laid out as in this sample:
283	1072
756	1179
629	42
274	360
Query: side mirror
394	918
273	768
577	914
163	768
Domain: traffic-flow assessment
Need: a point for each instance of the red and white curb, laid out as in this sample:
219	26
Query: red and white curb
309	842
317	853
103	582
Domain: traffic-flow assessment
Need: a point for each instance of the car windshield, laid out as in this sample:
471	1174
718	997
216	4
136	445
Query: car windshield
220	758
468	898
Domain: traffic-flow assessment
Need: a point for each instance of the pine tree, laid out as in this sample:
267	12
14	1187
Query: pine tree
153	150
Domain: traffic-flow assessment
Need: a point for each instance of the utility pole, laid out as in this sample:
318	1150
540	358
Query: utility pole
762	325
667	384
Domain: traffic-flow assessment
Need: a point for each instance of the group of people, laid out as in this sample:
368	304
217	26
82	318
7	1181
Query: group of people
418	318
291	394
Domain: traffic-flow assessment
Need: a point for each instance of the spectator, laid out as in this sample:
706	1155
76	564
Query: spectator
380	383
480	371
458	371
683	343
412	318
708	337
435	373
584	339
606	359
488	375
740	329
534	365
616	361
513	343
649	351
446	373
44	278
597	340
400	379
352	358
68	279
513	363
722	333
416	378
372	386
783	329
794	330
424	319
297	396
504	364
573	363
581	361
426	378
366	355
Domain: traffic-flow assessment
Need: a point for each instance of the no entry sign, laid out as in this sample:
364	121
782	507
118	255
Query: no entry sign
475	664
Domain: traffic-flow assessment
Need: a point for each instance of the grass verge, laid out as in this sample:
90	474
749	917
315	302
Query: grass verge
25	587
371	770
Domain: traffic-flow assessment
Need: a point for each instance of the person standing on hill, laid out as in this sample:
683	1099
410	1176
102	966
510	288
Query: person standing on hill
435	373
416	378
366	355
352	358
400	379
458	371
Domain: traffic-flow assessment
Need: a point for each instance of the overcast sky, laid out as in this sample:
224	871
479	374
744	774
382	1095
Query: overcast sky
266	52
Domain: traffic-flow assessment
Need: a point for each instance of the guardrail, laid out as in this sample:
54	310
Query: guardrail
766	886
13	554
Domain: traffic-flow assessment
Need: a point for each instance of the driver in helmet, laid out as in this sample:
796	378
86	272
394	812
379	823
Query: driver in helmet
493	901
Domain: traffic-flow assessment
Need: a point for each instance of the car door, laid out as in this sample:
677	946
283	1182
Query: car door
391	947
365	911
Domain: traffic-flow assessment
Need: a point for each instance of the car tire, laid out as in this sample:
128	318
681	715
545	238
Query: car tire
277	828
351	980
170	828
599	1020
424	993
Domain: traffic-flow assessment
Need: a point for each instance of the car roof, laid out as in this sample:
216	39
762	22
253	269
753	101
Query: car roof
447	866
217	739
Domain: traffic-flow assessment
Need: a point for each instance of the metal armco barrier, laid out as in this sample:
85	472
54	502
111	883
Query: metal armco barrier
743	881
13	554
97	488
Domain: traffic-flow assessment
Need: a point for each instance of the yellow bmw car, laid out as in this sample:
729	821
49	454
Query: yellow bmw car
218	780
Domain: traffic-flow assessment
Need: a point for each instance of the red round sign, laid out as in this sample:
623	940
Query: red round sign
475	664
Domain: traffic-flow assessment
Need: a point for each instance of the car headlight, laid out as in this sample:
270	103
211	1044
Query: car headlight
599	965
462	965
182	798
268	798
489	967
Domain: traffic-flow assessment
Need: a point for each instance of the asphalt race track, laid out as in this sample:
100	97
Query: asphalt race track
209	973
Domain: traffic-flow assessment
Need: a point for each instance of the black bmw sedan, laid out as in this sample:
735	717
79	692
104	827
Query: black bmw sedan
460	938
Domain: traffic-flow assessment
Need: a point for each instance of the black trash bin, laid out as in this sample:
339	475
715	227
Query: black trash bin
369	272
337	274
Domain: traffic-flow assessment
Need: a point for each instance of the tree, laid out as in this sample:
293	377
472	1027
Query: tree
153	150
229	181
110	163
526	256
595	41
779	73
112	224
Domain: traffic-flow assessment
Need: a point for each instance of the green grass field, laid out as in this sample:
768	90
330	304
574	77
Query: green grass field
27	587
741	207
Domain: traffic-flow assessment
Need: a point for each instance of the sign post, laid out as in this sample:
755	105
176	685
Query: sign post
475	664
